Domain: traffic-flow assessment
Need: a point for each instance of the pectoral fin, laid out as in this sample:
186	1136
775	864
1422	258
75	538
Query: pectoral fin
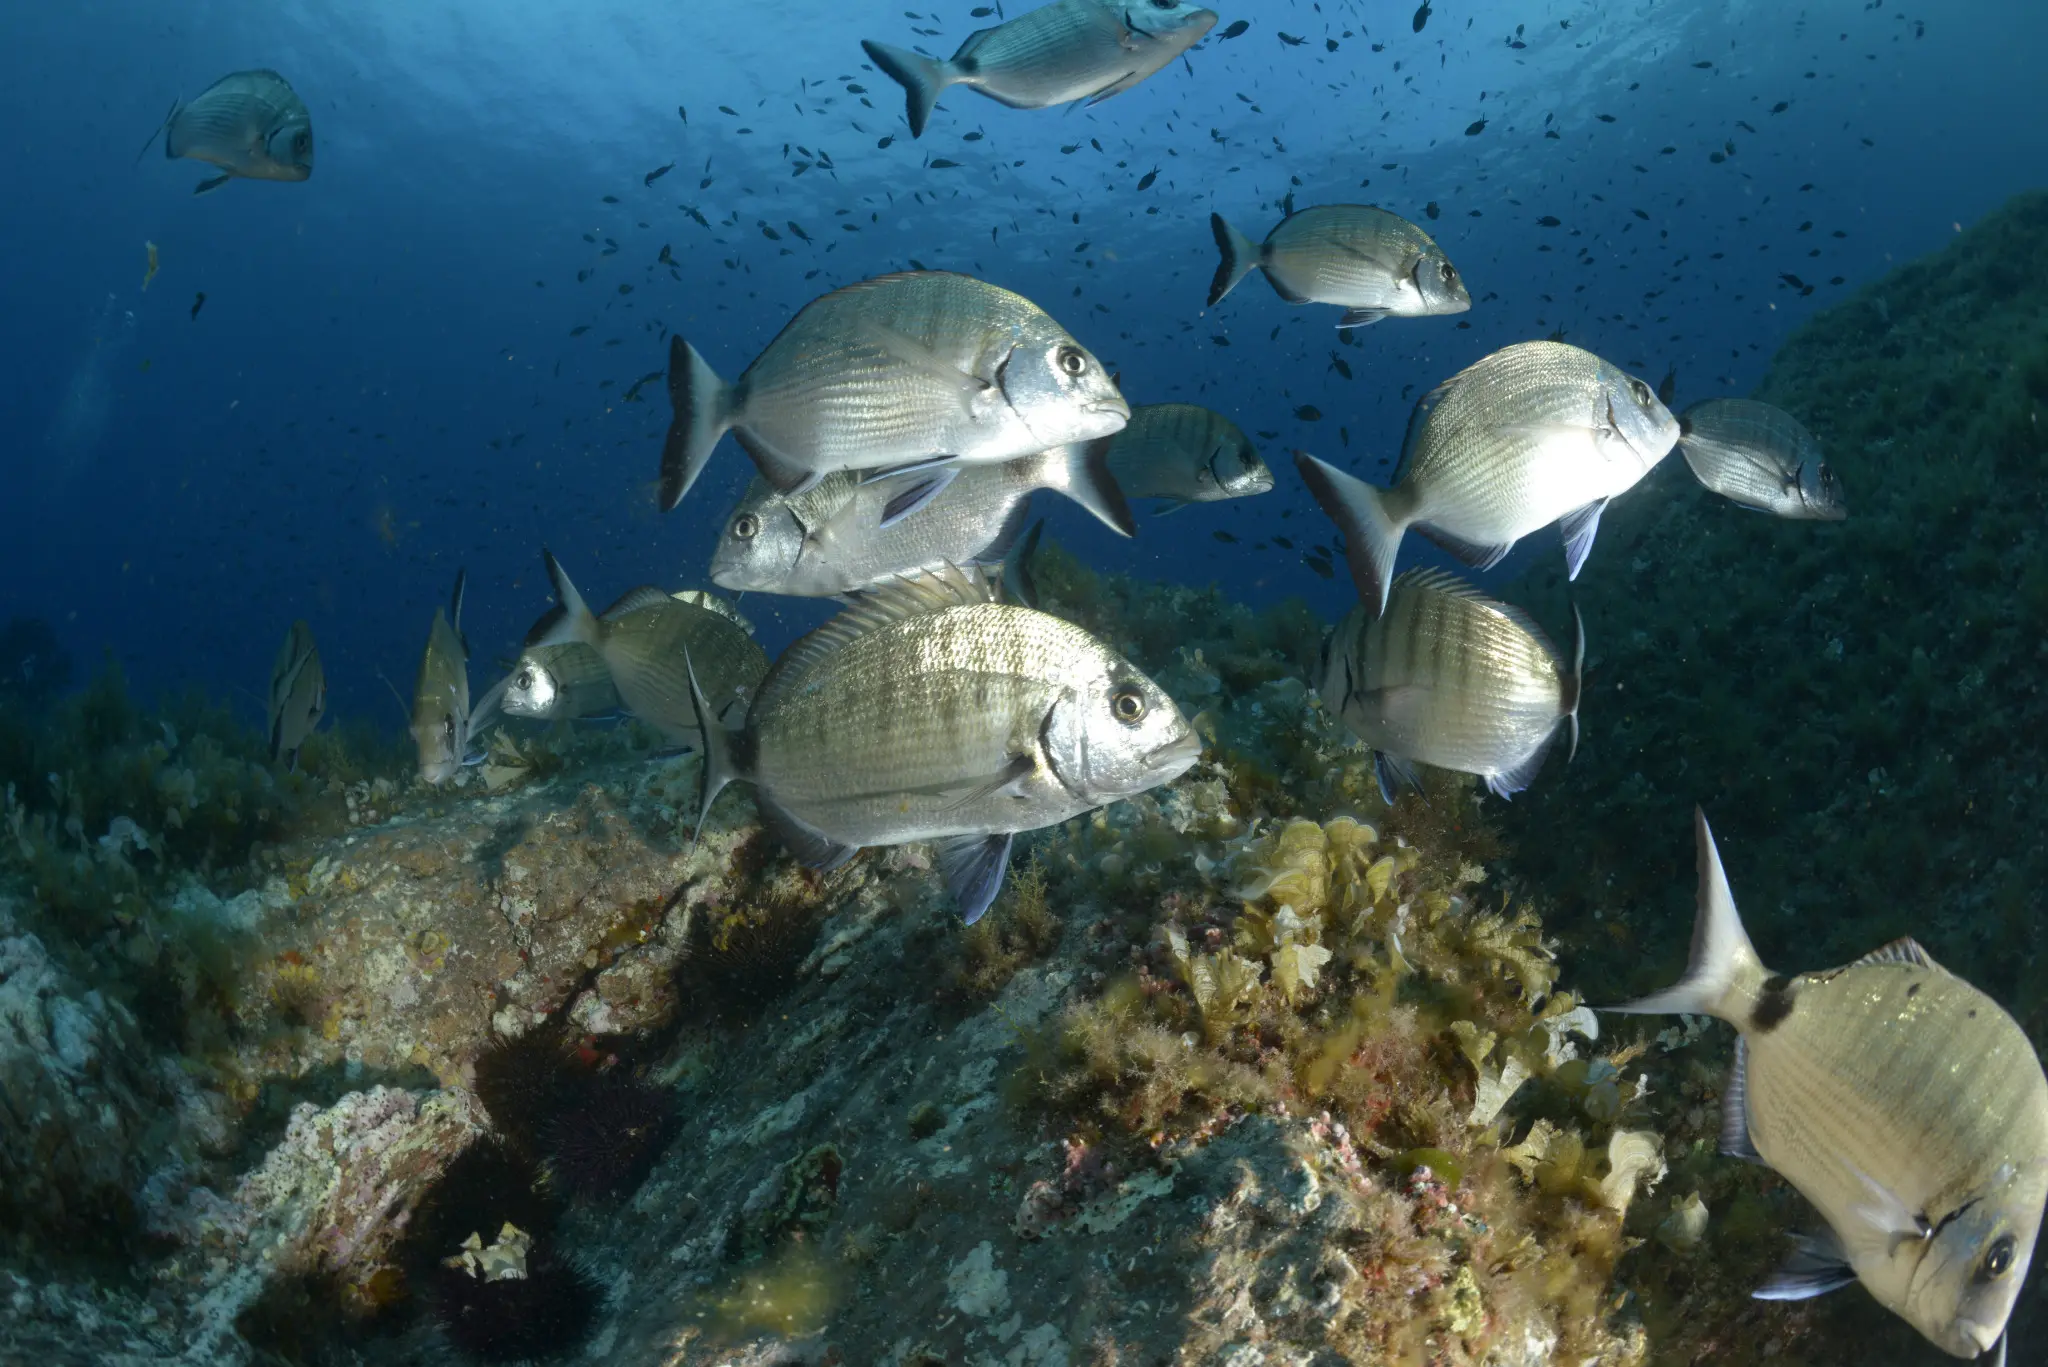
1816	1266
923	359
973	867
211	183
1578	528
917	493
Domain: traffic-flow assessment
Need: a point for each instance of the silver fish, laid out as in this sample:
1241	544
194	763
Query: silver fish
560	681
923	367
645	639
930	711
1449	677
1537	432
298	695
1068	50
250	124
1184	453
440	697
839	537
1906	1105
1375	263
1761	457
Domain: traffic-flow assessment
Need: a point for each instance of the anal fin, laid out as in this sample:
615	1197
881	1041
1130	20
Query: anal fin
806	843
1478	555
1359	318
1394	775
1735	1141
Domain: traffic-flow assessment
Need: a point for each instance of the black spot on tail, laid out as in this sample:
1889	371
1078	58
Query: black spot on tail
1773	1006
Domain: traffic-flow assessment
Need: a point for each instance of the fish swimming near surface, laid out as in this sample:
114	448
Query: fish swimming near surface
1449	677
930	711
1184	453
923	367
1758	455
441	715
1068	50
250	124
1902	1102
644	639
298	695
1375	263
838	537
1537	432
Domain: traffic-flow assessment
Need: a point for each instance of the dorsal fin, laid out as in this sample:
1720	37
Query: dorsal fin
1429	579
905	597
1904	950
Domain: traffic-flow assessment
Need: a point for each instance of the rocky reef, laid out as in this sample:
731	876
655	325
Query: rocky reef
326	1067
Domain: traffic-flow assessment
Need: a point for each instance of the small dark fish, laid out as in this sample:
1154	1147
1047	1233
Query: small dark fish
1548	221
1422	16
682	114
1308	412
1145	181
579	329
198	303
1236	30
1291	40
611	199
1475	128
942	164
1432	211
657	173
1224	537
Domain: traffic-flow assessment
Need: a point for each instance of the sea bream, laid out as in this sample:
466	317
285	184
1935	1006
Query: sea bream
839	536
1068	50
441	715
250	124
930	711
1375	263
1759	456
298	695
920	368
1184	453
1536	433
1449	677
644	640
1902	1102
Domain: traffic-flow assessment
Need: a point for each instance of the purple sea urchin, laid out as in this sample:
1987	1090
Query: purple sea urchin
606	1138
524	1081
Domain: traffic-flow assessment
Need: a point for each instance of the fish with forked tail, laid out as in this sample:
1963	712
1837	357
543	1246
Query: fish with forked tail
298	695
1068	50
1375	263
1902	1102
250	124
1761	457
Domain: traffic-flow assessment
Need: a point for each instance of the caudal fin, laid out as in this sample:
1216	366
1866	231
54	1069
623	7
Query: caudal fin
1575	686
703	412
1080	470
1240	254
1372	532
577	622
716	770
1723	971
921	77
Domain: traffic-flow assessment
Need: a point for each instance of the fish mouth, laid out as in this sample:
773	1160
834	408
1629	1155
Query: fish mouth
1178	755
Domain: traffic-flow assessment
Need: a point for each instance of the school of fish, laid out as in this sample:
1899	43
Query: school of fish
900	427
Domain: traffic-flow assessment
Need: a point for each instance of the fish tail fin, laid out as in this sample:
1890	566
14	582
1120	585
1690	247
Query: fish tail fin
1240	255
716	769
1080	470
578	623
922	79
1372	528
1019	585
163	128
703	411
1575	685
1723	971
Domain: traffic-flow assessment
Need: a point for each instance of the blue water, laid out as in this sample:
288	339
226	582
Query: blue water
382	387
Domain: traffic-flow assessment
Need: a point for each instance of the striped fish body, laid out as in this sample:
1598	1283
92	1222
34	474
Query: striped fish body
440	702
1076	50
1186	453
298	694
968	718
642	641
248	123
560	682
829	539
1758	455
1449	677
1364	258
1524	436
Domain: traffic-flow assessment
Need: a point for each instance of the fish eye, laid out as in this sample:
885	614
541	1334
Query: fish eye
1127	705
746	526
1072	360
525	679
1641	392
1450	274
1998	1261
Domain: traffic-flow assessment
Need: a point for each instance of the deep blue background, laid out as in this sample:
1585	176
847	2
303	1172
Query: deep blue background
382	385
